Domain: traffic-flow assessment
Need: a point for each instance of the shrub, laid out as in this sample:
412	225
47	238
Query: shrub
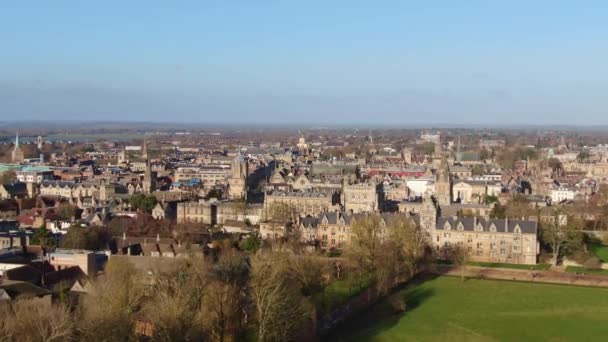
593	263
580	256
397	303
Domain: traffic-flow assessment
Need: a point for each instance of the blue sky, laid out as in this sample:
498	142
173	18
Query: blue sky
360	62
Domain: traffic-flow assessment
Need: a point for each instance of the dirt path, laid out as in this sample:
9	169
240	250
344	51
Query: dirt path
552	277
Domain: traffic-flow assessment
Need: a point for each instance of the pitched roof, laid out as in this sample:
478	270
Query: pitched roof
484	225
16	288
15	188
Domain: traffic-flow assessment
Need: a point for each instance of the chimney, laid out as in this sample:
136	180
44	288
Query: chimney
506	224
474	222
124	236
157	237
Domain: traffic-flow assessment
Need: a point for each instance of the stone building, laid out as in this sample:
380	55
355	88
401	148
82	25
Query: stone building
238	179
360	197
474	191
302	203
334	229
217	213
443	184
488	240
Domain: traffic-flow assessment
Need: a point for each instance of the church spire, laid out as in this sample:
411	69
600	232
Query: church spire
17	140
145	149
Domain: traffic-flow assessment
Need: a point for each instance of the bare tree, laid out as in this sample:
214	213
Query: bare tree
108	312
309	271
35	320
366	241
174	306
559	233
222	307
411	240
459	255
278	305
280	215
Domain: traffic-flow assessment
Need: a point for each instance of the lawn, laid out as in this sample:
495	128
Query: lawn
339	292
599	251
446	308
538	267
582	270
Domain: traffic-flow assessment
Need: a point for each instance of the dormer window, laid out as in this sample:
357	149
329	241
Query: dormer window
460	226
447	226
479	227
493	228
517	229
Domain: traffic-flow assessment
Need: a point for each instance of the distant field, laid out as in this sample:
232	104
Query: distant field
485	310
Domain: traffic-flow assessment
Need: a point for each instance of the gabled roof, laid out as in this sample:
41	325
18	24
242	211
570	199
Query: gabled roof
502	226
16	289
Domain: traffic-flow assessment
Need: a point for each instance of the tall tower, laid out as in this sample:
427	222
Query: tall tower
17	154
238	178
443	188
40	143
149	182
144	153
122	156
428	215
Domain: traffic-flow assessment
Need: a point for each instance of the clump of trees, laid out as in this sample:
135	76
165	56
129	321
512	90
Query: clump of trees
389	253
91	238
271	293
35	320
561	235
43	237
143	202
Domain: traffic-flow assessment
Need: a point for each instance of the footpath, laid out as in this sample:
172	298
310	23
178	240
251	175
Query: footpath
551	277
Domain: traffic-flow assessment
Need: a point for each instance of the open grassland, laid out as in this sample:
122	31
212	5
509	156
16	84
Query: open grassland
449	309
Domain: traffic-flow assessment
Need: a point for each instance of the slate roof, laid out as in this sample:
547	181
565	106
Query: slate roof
23	289
483	225
61	184
333	218
15	188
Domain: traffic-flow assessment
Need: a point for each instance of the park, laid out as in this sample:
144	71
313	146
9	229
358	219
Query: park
448	308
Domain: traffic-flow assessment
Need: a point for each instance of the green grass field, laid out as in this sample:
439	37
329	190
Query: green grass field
338	293
448	309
